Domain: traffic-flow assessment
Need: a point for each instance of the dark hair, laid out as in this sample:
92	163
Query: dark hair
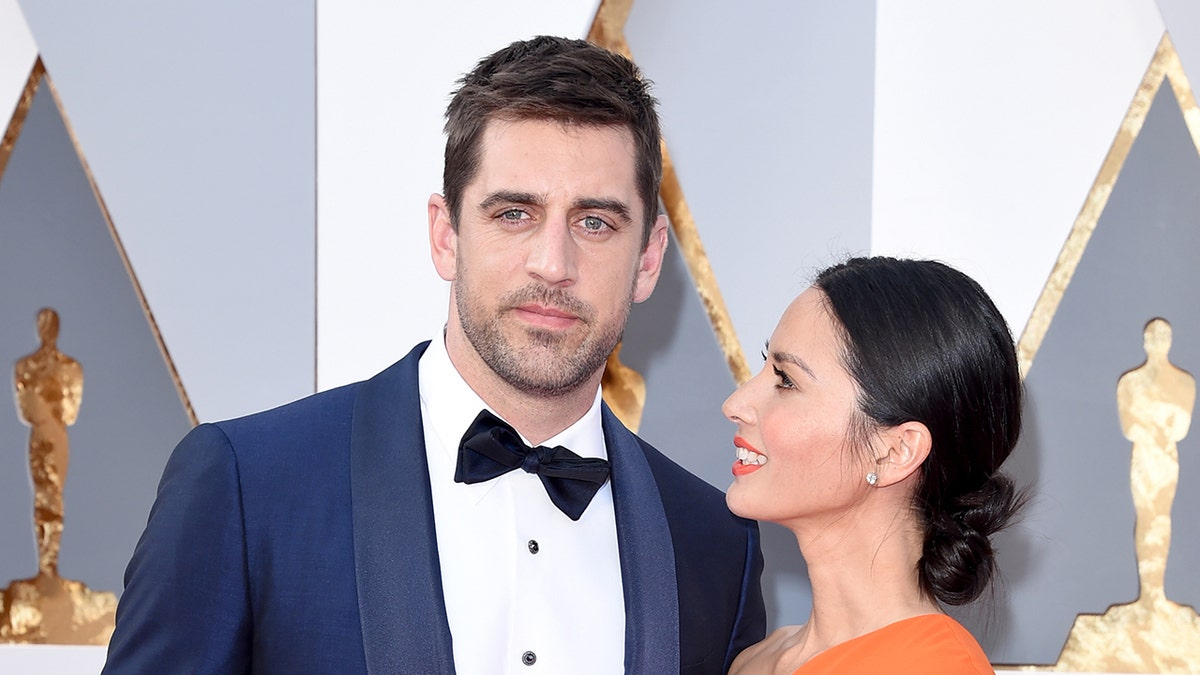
555	79
925	343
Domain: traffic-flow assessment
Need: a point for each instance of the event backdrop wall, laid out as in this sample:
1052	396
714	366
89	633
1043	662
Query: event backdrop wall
194	124
265	169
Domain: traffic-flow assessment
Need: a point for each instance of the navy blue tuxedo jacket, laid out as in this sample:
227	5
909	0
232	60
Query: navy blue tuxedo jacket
301	540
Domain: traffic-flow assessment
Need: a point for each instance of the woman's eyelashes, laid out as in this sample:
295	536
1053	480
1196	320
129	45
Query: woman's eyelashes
784	382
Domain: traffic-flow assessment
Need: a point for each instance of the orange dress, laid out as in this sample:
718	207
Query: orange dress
932	644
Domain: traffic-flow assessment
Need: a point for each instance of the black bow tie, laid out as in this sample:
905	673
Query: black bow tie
492	448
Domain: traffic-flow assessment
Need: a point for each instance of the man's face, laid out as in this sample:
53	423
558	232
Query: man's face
547	256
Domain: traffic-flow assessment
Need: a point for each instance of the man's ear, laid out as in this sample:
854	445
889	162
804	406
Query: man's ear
443	240
907	447
651	260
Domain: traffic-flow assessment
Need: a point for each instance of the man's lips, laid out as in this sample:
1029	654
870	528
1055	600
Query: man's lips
548	317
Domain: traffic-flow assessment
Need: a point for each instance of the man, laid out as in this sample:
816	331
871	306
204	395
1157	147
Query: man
302	539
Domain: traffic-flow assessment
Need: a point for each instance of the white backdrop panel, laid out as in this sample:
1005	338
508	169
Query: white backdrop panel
991	122
17	53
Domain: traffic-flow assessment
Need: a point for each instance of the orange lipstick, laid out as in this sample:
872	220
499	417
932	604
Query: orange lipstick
749	458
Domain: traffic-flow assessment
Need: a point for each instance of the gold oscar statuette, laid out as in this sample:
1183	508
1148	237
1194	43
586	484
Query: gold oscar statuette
1151	634
48	609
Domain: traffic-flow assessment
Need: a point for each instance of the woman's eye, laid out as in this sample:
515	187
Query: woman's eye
785	382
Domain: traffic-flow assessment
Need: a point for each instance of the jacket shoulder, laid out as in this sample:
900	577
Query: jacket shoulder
312	410
683	490
332	409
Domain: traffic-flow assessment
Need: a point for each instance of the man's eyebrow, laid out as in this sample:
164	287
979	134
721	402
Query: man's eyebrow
616	206
788	357
509	197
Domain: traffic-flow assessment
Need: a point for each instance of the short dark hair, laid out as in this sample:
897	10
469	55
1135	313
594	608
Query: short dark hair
555	79
925	343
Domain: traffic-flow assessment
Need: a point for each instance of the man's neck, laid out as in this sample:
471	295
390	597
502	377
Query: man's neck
537	417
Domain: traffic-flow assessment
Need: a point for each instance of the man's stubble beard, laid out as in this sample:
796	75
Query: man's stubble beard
545	366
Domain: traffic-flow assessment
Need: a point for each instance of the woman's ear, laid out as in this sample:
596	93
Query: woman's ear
906	448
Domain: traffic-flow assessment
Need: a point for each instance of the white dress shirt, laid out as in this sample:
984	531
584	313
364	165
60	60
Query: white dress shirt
522	581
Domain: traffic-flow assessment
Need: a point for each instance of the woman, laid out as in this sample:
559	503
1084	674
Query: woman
889	399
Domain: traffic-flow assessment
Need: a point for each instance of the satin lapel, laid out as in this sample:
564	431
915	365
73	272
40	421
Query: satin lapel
400	600
647	557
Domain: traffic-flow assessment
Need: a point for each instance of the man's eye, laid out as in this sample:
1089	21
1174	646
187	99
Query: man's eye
513	214
594	224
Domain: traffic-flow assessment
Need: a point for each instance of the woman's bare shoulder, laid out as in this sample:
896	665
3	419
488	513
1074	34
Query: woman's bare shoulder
764	656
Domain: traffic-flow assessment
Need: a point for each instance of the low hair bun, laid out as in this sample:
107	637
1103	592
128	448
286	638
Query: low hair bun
958	560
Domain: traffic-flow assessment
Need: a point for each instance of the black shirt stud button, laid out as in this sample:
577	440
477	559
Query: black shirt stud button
529	658
533	548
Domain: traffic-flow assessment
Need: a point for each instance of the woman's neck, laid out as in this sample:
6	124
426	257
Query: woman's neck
863	571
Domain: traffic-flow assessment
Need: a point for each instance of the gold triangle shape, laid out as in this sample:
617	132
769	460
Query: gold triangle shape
1165	64
22	110
1173	621
37	77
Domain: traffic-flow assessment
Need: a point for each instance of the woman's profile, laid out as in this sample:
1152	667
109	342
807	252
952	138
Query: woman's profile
889	398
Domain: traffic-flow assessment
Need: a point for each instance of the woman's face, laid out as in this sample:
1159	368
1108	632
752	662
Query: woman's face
796	413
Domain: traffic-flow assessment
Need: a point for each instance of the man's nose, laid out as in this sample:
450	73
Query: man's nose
552	256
